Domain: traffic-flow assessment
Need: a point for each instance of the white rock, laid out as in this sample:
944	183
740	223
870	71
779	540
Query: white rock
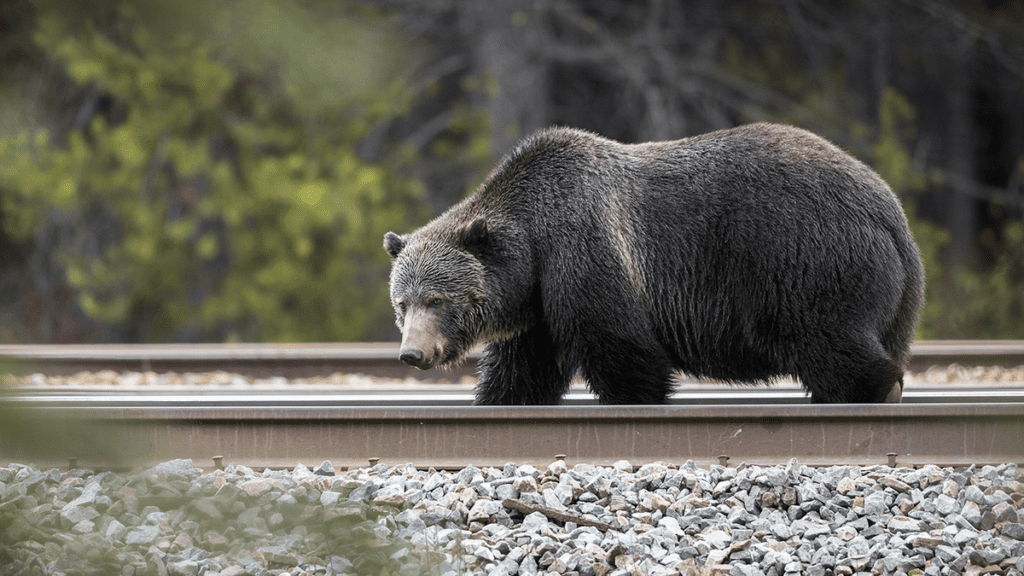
534	522
903	524
623	466
718	539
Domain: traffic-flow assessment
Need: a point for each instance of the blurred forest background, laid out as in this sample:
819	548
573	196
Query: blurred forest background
223	170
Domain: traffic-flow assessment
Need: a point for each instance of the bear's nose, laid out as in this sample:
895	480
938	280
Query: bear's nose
412	357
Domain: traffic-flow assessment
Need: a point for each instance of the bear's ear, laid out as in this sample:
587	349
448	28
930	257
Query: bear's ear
393	244
474	236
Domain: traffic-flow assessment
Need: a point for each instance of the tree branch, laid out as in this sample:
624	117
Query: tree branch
560	515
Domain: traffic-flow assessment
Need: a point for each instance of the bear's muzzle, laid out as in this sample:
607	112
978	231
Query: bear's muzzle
421	338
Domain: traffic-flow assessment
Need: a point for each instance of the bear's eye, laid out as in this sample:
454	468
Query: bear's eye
435	302
401	307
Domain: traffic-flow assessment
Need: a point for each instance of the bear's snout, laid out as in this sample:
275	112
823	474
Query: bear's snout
424	360
422	342
412	357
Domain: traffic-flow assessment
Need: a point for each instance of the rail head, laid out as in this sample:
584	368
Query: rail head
268	409
381	350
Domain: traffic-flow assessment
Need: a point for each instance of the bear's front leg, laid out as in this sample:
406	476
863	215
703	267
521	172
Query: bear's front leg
522	370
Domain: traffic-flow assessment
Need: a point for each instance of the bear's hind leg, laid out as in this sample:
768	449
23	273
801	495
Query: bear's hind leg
523	370
853	375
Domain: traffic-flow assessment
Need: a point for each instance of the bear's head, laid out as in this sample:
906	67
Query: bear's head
438	291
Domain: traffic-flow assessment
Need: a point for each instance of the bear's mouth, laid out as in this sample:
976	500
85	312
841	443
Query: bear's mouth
451	358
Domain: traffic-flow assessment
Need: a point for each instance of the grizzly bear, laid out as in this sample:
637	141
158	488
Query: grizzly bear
741	255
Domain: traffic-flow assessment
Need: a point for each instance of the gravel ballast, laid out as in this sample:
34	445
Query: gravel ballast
174	519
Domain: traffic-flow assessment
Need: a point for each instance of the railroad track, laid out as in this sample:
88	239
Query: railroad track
272	430
375	359
261	429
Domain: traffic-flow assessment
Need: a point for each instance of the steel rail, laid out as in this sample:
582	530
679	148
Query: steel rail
276	432
252	360
951	426
721	395
373	358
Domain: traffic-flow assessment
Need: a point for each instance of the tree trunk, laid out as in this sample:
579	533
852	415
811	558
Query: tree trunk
960	160
505	36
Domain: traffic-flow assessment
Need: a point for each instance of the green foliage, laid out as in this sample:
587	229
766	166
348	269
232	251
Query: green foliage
982	303
989	304
238	204
890	154
890	157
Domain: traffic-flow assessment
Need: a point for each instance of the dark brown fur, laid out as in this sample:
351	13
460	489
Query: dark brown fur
741	255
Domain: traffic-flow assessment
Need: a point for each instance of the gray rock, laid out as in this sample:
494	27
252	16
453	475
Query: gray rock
175	469
623	466
815	530
329	497
435	480
534	522
183	568
505	492
903	524
718	539
301	471
674	522
468	475
974	494
564	493
925	541
484	510
207	508
259	486
144	535
83	527
947	553
804	552
532	498
115	530
782	531
824	557
326	468
972	513
74	514
958	564
1004	512
951	488
525	484
672	526
965	537
945	505
279	555
874	504
154	562
389	494
88	496
1013	530
363	492
227	494
986	556
552	499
